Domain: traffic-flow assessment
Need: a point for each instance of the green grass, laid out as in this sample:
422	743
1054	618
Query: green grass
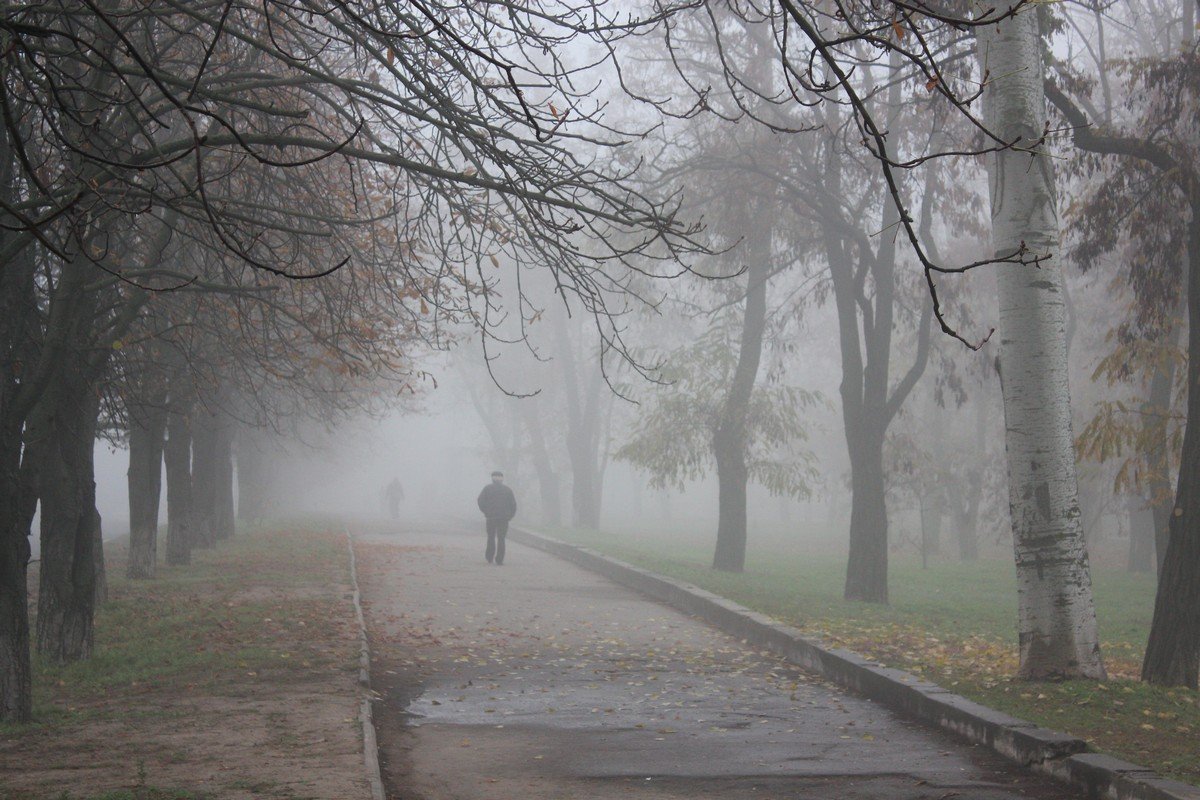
956	624
265	608
194	625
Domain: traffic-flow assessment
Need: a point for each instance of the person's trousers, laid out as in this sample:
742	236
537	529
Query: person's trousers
497	529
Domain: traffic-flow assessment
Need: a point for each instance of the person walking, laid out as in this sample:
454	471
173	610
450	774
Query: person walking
499	506
394	493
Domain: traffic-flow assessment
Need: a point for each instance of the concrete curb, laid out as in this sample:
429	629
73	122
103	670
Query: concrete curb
1050	752
370	742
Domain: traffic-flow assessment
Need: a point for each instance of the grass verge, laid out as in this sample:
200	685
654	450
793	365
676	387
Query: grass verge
255	639
956	624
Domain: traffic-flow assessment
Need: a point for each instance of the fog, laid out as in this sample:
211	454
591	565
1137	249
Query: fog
858	282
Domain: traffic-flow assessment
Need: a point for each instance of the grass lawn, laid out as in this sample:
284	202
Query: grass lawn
255	638
956	624
194	625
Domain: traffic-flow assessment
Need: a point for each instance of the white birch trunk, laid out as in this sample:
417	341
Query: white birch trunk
1058	635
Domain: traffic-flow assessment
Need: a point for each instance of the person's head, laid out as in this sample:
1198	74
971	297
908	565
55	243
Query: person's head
497	477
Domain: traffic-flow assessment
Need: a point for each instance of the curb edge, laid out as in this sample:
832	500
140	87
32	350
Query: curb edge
370	741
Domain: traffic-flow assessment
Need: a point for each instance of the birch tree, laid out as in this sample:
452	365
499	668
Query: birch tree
1057	617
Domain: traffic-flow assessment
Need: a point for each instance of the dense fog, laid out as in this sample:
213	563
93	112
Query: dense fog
880	282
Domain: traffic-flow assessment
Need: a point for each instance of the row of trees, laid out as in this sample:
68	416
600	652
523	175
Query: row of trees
791	185
235	211
243	212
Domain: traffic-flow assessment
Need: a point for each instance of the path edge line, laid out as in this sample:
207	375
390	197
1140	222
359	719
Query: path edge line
370	740
1059	755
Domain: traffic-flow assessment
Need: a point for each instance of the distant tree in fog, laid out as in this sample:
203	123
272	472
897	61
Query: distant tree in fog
674	438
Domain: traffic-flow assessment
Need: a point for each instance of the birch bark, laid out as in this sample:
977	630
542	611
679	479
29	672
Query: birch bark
1057	618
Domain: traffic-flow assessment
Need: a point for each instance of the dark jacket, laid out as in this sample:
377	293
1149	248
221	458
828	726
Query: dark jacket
497	501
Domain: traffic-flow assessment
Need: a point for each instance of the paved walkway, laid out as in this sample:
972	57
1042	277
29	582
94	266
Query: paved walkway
540	680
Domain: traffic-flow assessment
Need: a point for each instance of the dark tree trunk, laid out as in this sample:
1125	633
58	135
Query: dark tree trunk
585	506
62	433
867	566
1155	413
147	425
548	487
729	439
730	553
18	499
865	338
1141	535
224	520
16	703
205	471
966	528
1173	650
177	456
967	524
66	430
100	566
932	513
583	432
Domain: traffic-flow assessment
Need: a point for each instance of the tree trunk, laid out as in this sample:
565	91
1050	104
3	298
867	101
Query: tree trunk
1173	650
1057	624
931	522
869	402
729	439
585	508
548	487
1141	535
177	456
730	456
583	396
147	425
98	559
17	502
967	528
16	686
867	566
1156	412
224	521
205	470
66	429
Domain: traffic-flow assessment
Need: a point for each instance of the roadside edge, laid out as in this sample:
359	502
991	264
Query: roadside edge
370	741
1050	752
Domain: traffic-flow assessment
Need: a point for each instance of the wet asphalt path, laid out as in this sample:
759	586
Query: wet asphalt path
540	680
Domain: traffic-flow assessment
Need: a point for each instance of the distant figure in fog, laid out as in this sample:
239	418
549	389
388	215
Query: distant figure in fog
394	493
499	506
